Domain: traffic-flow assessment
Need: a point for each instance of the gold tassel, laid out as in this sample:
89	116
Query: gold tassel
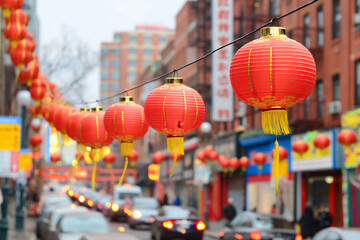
232	170
126	148
275	121
275	167
173	166
93	176
132	164
175	145
108	165
123	174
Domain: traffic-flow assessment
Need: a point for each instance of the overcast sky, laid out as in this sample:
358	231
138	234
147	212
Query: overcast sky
95	21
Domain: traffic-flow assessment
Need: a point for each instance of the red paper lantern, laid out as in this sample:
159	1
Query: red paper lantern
321	141
347	137
224	162
22	54
73	121
10	5
29	74
62	116
109	158
283	153
213	155
300	146
260	158
273	73
178	157
15	28
35	140
30	37
37	90
208	150
134	156
55	157
158	157
201	156
244	162
234	163
174	110
34	110
125	121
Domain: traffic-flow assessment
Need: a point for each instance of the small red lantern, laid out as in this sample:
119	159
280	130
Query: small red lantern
208	150
300	146
321	141
244	162
109	158
37	90
55	157
29	74
174	110
34	110
234	163
283	153
133	158
35	141
178	157
213	155
201	156
347	137
15	28
260	159
10	5
158	157
224	162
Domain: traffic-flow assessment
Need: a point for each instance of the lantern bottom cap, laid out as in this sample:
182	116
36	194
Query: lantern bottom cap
275	121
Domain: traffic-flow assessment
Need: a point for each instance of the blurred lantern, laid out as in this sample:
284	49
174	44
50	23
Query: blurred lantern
29	74
260	159
22	54
347	137
125	121
174	110
34	110
158	157
73	121
224	163
62	116
10	5
30	37
244	162
201	156
208	150
300	147
55	157
92	133
321	141
283	153
178	157
154	172
35	124
35	141
273	73
234	164
37	90
109	159
15	28
133	158
213	155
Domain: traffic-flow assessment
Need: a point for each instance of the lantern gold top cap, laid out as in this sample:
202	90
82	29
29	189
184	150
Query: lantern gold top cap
174	80
126	99
273	31
96	109
84	109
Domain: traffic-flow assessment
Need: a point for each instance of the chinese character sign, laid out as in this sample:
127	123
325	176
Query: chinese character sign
222	109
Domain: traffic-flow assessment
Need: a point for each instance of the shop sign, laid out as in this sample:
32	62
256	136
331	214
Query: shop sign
10	134
351	120
25	162
154	172
313	158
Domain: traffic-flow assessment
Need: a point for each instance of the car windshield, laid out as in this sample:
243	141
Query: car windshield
177	212
145	204
264	222
47	209
124	195
84	223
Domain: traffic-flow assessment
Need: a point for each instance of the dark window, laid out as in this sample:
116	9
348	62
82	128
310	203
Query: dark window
306	107
336	19
320	98
357	13
320	26
306	30
274	7
336	87
357	82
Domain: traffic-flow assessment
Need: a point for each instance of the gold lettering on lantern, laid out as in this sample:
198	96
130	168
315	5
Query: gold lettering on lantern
184	107
249	69
164	111
271	69
196	104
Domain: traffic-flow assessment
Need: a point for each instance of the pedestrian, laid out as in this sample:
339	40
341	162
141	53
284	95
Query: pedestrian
177	201
309	225
229	212
273	209
165	200
324	217
1	200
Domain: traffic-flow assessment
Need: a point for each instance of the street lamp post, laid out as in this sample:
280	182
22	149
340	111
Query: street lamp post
24	100
4	222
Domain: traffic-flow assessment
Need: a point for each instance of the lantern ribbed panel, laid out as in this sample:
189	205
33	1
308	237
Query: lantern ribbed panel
15	28
22	54
62	115
91	131
37	89
71	125
30	73
51	115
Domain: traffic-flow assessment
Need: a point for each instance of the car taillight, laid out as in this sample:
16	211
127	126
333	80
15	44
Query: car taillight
200	226
76	195
238	236
298	237
99	205
169	224
115	207
81	199
90	203
255	235
152	219
71	193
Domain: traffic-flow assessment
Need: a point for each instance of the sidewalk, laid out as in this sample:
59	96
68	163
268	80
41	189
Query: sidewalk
214	227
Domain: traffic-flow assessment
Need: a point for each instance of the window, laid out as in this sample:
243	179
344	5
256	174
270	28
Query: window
104	75
147	39
306	107
115	75
274	7
147	51
104	63
147	63
116	52
104	87
336	19
132	63
320	98
117	38
115	87
115	100
336	87
132	51
306	30
163	39
132	75
357	13
104	51
357	82
320	26
133	39
116	63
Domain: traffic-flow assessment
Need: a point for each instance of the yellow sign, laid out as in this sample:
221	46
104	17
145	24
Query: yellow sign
10	137
154	172
25	162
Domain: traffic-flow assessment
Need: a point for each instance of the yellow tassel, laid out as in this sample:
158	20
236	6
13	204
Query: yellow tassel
96	154
108	165
275	167
132	164
126	148
93	176
259	168
175	145
173	166
232	170
123	174
275	122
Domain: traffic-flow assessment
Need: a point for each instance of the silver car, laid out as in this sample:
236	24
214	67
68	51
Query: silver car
143	211
337	234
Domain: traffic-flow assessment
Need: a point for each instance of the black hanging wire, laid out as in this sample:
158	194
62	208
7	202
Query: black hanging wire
273	20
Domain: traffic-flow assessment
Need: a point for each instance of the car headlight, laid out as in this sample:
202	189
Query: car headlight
115	207
137	214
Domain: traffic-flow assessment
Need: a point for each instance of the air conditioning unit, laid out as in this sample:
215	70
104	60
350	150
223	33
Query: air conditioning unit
334	107
357	18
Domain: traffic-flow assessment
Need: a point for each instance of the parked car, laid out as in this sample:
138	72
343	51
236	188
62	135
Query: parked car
174	222
249	225
143	209
49	223
337	234
73	225
103	203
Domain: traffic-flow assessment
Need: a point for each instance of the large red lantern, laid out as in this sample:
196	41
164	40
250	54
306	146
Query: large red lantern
15	28
321	141
208	150
174	110
29	74
158	157
109	159
347	137
55	157
10	5
244	162
300	146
